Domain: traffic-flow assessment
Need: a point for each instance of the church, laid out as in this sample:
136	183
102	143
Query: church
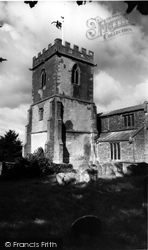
63	118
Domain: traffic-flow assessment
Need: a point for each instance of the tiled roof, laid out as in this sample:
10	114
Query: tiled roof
118	136
124	110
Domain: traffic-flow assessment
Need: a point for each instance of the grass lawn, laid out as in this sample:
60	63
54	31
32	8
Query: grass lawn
38	208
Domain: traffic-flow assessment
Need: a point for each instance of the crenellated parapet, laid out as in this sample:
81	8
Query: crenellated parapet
65	50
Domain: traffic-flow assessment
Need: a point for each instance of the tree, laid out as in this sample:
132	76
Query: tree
31	3
142	6
10	146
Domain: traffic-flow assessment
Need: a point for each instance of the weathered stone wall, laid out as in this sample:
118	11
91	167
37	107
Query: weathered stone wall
40	125
146	133
69	119
134	151
79	148
58	71
146	144
28	128
38	140
64	86
139	146
139	118
127	153
103	152
77	115
39	93
83	90
54	144
78	123
116	122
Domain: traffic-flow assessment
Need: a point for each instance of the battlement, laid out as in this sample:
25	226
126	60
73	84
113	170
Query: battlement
64	50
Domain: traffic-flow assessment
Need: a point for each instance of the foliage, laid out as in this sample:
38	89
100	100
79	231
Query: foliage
38	162
33	165
10	146
15	170
60	168
141	6
138	169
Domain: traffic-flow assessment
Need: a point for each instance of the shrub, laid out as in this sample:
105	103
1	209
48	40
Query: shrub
60	168
138	169
38	163
33	165
142	168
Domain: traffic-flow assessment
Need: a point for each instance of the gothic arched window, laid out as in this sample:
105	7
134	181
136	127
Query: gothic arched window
43	78
76	74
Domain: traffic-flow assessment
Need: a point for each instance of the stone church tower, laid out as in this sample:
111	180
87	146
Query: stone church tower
62	117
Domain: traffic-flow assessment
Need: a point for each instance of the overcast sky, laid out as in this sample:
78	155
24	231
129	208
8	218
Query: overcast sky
121	75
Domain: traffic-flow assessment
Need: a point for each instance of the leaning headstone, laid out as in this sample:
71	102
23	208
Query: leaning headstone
60	178
131	169
88	224
119	174
69	178
115	169
66	178
83	167
83	177
109	171
82	173
93	173
99	170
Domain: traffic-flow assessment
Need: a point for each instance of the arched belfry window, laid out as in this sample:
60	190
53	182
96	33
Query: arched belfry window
43	78
76	74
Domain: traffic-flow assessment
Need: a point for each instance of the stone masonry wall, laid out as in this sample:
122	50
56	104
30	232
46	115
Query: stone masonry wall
84	90
76	115
69	115
116	122
79	148
28	128
104	152
127	153
65	50
38	92
40	125
78	123
38	140
139	146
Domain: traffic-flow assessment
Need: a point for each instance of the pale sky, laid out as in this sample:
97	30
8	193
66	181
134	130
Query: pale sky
121	74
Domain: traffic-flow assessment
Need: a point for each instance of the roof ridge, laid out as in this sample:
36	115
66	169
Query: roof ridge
127	109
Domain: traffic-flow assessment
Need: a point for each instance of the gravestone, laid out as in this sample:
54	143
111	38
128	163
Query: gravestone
88	225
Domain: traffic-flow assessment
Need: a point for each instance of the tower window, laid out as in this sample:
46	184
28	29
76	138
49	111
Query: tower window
43	78
76	74
115	151
41	112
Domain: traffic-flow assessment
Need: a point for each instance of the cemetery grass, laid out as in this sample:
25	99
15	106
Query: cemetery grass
38	208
